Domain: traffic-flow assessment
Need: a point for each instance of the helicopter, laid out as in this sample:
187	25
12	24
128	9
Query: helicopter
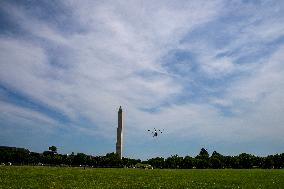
155	132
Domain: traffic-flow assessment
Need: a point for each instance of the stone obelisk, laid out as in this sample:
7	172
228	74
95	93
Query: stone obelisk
119	140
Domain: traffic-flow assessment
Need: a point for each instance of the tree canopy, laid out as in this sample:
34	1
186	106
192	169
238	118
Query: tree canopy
203	160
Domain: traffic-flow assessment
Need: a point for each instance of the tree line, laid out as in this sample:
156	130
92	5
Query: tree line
218	161
21	156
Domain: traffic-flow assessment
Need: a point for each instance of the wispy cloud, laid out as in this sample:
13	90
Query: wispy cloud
211	70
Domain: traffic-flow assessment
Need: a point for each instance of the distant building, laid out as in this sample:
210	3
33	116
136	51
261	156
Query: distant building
119	140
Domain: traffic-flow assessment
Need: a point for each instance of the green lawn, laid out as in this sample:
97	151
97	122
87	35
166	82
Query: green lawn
56	177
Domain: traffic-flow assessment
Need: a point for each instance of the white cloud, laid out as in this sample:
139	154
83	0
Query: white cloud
117	60
26	117
267	78
104	61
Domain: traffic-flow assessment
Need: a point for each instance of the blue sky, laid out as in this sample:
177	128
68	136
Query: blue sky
210	73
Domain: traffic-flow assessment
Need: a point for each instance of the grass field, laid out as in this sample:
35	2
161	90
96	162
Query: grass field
56	177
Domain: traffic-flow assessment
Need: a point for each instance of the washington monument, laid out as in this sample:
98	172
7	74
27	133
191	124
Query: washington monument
119	140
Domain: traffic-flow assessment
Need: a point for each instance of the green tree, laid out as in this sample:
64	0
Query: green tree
268	162
217	155
112	160
53	149
174	162
202	160
277	161
34	158
245	160
80	159
157	162
216	160
215	163
187	162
